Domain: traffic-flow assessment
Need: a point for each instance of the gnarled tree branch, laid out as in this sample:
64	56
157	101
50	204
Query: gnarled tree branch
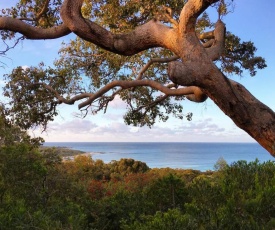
136	83
31	32
190	13
217	49
151	34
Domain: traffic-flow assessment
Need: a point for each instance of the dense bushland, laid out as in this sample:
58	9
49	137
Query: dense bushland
40	191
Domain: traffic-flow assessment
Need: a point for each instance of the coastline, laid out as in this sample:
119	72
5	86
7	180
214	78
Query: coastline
198	156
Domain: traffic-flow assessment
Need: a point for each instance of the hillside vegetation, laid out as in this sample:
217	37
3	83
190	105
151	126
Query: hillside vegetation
39	191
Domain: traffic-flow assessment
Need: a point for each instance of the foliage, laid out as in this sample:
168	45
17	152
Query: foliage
125	167
167	192
221	164
84	68
38	13
40	191
240	56
34	13
23	87
35	193
10	133
172	219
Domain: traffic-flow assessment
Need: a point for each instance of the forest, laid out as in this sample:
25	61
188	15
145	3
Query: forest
154	56
39	190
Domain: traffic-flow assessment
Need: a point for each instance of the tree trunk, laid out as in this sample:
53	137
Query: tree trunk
233	99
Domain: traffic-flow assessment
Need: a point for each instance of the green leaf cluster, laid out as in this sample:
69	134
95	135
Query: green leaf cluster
11	134
240	56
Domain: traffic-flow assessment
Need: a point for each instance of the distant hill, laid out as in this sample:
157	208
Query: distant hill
61	151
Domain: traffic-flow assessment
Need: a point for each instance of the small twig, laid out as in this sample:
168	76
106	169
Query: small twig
11	47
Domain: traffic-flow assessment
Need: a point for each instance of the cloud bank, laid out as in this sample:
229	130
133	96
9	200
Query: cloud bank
85	130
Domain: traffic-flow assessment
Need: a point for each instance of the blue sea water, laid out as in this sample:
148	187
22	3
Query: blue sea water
200	156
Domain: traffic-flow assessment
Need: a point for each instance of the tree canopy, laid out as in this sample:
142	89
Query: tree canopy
40	191
152	54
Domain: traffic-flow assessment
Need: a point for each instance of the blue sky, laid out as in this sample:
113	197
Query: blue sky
251	20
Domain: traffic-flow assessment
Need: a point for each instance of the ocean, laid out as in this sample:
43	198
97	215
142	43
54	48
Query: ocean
199	156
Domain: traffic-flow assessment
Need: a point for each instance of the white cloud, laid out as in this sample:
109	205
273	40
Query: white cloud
113	128
86	130
134	129
75	126
24	67
117	103
202	127
113	116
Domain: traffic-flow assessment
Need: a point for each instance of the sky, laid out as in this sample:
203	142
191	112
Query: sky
251	20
